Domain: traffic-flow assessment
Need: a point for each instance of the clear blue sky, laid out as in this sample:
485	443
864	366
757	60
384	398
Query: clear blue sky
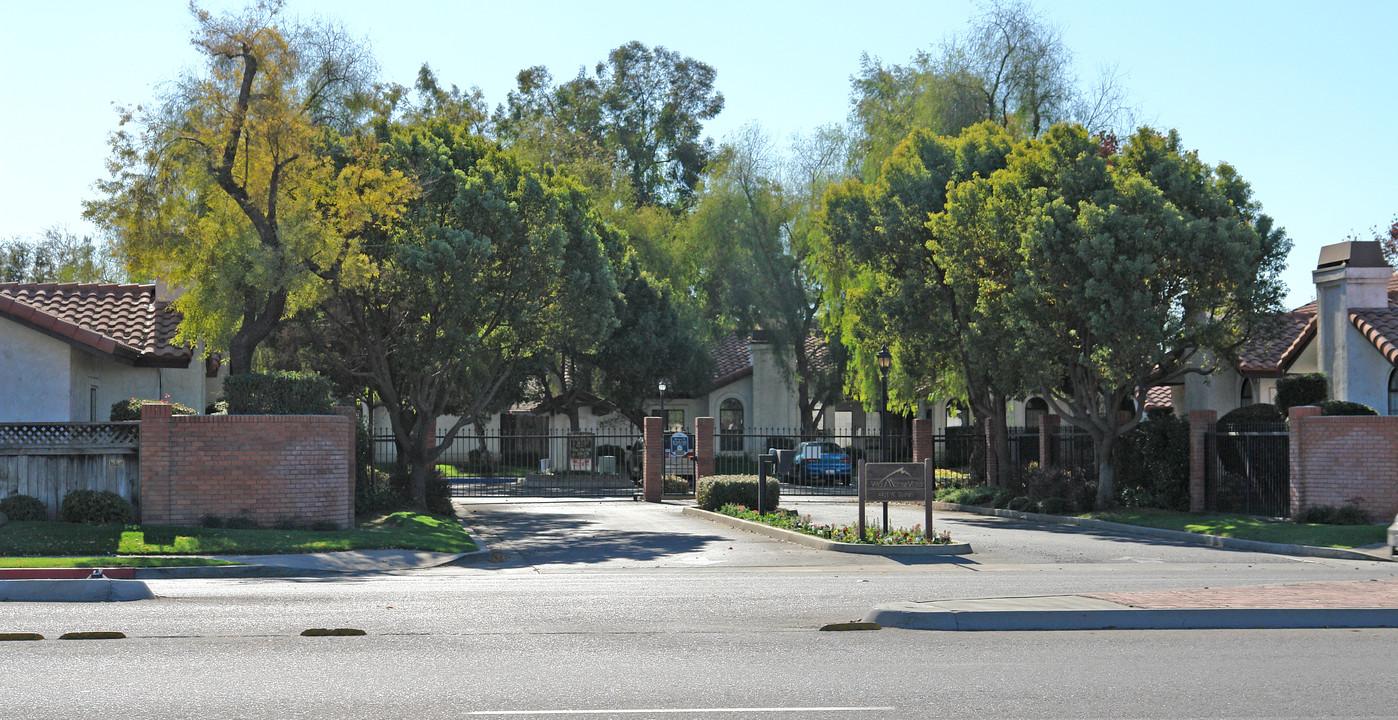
1299	96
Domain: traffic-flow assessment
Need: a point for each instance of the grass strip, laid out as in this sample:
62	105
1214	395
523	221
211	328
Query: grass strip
404	530
109	562
1248	527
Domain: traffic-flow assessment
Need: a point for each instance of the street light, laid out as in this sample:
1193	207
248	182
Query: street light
662	406
885	362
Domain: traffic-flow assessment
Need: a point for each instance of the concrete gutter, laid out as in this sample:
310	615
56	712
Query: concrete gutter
811	541
1072	612
73	591
1174	535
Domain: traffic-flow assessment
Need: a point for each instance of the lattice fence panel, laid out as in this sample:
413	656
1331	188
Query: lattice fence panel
70	435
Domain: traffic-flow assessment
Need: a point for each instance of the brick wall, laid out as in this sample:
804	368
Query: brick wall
1344	460
268	468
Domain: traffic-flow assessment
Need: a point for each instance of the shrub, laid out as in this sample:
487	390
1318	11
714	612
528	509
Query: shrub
219	407
1342	407
439	495
21	508
1296	390
373	492
211	521
130	409
277	393
1053	506
1152	463
242	522
676	485
1020	503
1247	415
95	507
1002	497
1331	515
715	492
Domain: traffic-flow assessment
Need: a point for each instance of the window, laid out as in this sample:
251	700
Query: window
674	420
1034	411
1246	398
730	426
92	403
956	414
1393	392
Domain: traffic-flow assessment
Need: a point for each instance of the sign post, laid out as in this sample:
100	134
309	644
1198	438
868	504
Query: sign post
897	482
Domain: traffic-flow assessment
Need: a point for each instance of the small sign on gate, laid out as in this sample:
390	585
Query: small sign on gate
580	449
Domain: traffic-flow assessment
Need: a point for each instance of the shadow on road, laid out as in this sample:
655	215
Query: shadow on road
541	536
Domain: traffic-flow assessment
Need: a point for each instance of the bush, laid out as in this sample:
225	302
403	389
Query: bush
1074	489
1152	463
1331	515
676	485
373	492
21	508
1247	415
439	495
1053	506
95	507
277	393
1020	503
1296	390
127	410
1002	497
1342	407
715	492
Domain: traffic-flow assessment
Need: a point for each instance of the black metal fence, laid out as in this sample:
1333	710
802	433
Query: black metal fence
553	464
1248	469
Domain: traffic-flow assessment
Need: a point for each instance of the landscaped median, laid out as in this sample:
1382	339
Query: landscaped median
940	545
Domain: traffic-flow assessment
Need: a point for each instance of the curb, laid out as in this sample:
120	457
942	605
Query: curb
1176	535
909	617
792	536
74	591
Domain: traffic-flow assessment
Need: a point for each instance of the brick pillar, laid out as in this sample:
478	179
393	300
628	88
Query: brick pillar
156	496
1201	422
703	448
922	440
653	467
1295	419
348	413
1048	432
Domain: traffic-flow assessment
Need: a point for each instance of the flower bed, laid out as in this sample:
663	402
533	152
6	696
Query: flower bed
873	535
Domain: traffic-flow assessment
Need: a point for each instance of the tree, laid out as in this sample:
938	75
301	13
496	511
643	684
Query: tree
247	186
900	281
491	265
749	239
1135	268
58	256
1010	67
641	112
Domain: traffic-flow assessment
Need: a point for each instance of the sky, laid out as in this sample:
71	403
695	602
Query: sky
1298	96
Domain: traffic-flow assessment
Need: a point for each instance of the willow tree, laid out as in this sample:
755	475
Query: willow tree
248	185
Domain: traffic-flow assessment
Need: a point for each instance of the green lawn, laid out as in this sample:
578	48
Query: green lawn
1248	527
110	562
401	530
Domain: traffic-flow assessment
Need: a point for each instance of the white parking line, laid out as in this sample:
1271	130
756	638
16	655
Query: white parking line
678	711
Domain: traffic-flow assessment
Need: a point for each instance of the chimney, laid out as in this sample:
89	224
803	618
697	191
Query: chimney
1349	276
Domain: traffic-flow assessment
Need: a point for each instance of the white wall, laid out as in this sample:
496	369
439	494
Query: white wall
116	382
34	372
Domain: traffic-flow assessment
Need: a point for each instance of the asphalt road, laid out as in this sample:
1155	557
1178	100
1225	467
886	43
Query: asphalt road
614	607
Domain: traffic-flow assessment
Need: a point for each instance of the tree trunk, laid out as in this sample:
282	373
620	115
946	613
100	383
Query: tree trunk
1106	478
1000	441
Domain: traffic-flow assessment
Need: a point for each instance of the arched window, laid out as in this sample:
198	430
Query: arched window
1393	392
1246	398
730	425
1034	411
957	415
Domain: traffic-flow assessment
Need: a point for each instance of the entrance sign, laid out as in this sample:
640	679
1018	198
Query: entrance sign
897	482
679	443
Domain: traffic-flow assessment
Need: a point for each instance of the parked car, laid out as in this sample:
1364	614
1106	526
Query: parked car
819	462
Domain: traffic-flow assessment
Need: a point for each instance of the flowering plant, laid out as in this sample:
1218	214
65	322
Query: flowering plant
847	533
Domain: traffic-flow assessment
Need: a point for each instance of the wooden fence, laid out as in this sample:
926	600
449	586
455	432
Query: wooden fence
49	460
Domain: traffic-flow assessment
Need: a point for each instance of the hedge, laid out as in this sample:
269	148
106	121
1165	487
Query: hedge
124	410
277	393
1297	390
719	490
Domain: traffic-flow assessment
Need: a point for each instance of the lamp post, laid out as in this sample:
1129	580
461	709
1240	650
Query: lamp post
885	362
663	422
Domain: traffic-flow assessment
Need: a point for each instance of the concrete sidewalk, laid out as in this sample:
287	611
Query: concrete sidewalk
1362	604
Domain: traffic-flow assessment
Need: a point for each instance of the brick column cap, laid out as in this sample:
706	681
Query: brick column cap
156	410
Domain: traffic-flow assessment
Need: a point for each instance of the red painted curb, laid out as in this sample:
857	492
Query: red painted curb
64	573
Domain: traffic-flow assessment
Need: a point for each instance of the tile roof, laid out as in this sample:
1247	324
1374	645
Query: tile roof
1159	396
733	360
126	322
1381	329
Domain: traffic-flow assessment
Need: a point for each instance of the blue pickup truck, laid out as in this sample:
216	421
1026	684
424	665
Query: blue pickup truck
819	462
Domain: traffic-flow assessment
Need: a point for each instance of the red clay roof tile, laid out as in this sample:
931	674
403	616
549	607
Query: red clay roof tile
123	320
